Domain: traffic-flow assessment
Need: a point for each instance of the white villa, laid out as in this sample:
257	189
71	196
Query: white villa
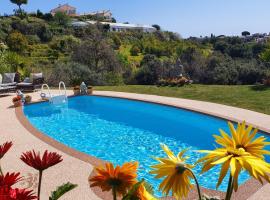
118	27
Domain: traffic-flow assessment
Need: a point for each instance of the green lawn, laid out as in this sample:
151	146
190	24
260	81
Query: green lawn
255	98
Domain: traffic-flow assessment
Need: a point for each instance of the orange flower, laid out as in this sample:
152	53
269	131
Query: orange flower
118	179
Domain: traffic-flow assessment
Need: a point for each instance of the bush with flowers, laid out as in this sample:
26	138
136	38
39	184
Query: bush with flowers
180	81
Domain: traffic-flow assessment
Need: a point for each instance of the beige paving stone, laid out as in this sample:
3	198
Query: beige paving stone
262	194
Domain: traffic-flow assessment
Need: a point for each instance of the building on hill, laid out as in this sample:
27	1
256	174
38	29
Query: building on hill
118	27
106	14
69	10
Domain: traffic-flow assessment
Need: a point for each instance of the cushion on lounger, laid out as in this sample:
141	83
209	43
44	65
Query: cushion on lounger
8	77
8	84
34	76
24	84
27	80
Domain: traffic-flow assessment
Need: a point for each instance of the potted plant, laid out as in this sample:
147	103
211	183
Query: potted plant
17	101
28	99
90	90
76	90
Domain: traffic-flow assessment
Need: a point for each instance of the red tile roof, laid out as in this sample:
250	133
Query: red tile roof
63	8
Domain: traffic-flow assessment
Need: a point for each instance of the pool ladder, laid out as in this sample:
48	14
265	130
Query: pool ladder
55	99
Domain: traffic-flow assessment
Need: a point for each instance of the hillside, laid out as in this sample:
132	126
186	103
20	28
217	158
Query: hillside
42	42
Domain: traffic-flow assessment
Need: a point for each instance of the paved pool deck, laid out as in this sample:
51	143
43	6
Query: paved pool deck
77	170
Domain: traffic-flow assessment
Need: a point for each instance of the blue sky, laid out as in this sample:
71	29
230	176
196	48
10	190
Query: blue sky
187	17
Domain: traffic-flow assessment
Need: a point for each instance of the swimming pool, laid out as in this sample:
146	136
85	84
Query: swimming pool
121	130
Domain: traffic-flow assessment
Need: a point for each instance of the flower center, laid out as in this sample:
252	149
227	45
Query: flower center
239	146
114	182
180	168
236	152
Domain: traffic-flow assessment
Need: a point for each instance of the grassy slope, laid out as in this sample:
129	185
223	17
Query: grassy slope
255	98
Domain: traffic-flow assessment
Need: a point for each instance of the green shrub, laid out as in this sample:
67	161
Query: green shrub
33	39
135	50
265	55
114	79
266	80
65	43
116	42
61	18
17	42
45	34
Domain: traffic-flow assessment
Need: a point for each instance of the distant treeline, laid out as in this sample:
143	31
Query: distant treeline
42	42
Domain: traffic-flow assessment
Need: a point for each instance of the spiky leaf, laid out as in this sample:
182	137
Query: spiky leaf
61	190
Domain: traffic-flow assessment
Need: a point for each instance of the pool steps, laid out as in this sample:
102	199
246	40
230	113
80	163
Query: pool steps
55	99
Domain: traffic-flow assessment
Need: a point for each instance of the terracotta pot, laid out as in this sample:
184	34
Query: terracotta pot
28	99
76	91
90	90
17	103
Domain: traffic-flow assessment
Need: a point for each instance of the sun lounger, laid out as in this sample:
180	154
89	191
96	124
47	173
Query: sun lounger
7	82
7	89
31	84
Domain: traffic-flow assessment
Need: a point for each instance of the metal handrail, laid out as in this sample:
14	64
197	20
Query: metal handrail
61	83
48	88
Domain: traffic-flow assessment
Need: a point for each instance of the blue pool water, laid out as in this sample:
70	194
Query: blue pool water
119	130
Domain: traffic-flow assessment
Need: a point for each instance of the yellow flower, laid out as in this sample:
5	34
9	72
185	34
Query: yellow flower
241	151
175	172
243	137
236	160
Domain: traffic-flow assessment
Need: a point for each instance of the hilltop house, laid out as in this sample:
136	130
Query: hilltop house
69	10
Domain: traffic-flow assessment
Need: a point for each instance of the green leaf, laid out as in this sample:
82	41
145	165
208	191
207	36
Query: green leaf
149	188
61	190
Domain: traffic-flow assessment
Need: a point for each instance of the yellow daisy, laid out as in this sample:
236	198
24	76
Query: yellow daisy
238	152
176	174
243	137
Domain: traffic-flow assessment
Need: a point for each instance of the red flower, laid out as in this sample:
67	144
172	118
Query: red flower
9	179
21	194
17	98
34	160
4	148
4	193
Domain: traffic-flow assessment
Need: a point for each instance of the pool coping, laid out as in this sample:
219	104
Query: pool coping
245	190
